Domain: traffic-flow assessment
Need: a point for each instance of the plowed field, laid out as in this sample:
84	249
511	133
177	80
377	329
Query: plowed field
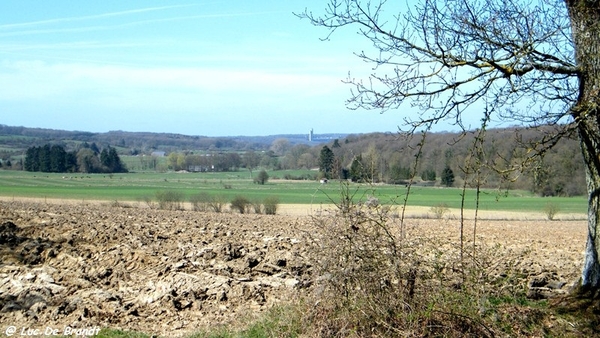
173	272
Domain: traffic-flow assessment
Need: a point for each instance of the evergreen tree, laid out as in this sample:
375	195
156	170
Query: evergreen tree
447	177
399	174
357	169
58	157
105	160
94	148
31	159
118	166
326	159
44	159
110	161
428	175
71	162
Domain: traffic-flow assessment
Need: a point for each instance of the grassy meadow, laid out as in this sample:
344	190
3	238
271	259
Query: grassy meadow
143	185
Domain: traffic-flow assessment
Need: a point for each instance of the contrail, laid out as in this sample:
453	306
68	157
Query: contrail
128	24
88	17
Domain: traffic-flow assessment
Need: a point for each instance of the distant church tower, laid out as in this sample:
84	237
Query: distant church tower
310	135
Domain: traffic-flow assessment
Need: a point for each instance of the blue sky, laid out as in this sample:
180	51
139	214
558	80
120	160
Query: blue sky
213	68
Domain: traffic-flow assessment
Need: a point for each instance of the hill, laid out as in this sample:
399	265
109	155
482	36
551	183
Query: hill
14	141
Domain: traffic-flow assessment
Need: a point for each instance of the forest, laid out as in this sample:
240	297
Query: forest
87	159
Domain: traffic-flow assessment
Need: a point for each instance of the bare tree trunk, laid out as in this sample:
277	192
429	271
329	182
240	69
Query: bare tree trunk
590	278
585	25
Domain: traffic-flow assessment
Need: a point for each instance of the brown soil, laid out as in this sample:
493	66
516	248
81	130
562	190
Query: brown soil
174	272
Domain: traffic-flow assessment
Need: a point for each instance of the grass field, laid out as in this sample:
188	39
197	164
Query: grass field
137	186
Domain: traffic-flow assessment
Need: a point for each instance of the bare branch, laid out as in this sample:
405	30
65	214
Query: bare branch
447	57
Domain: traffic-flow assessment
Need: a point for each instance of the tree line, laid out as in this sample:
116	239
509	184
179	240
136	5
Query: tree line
397	159
87	159
446	158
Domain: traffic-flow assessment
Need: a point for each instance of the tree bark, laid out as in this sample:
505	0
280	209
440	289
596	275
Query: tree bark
585	25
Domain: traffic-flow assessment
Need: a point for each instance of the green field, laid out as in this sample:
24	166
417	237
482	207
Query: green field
137	186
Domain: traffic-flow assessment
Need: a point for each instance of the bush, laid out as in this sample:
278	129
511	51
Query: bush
271	204
439	210
262	177
258	207
200	202
374	279
302	177
240	203
360	252
170	200
148	200
216	203
551	209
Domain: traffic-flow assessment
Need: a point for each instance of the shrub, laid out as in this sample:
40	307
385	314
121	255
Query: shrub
551	209
217	202
262	177
303	177
148	200
200	202
374	279
240	203
258	207
271	204
117	204
170	200
439	210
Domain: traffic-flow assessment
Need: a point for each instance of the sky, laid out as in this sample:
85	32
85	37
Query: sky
210	68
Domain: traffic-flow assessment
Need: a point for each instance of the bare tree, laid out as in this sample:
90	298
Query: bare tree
250	160
532	63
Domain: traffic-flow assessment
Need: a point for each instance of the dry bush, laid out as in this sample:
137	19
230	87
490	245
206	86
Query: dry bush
148	200
257	207
551	209
372	281
240	203
117	204
200	202
270	205
217	202
439	210
170	200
